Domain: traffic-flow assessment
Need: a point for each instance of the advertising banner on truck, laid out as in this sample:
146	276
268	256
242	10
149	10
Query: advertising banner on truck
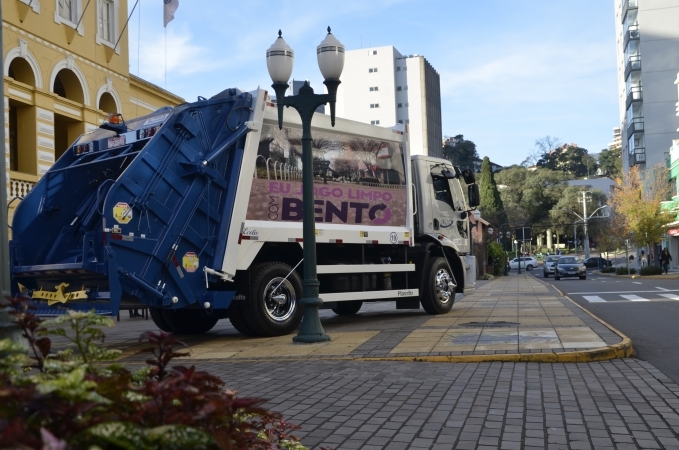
357	180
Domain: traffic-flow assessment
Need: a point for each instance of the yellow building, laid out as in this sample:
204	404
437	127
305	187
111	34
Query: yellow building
62	77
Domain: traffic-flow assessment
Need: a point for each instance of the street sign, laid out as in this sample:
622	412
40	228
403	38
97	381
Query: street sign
523	233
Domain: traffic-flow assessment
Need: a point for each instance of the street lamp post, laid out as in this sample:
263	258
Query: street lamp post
585	220
279	61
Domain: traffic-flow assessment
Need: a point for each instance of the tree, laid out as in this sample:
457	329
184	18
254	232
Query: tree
491	202
366	150
569	159
610	162
638	202
542	146
529	195
461	152
571	199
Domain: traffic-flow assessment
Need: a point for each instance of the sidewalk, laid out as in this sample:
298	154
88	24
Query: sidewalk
514	318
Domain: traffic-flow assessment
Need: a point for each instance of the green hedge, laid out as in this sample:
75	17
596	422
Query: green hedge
609	270
653	270
623	271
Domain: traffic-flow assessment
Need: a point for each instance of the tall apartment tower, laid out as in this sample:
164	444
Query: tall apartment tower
648	61
382	87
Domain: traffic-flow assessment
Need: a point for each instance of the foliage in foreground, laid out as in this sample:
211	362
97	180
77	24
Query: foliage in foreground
623	271
77	398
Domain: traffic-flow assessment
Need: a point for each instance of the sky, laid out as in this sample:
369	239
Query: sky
511	71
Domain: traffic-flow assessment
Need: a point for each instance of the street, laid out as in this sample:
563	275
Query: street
646	310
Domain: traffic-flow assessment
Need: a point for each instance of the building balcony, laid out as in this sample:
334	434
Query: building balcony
633	64
636	125
626	6
635	94
632	34
638	157
20	184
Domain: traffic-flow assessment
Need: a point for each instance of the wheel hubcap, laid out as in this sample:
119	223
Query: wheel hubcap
444	285
281	303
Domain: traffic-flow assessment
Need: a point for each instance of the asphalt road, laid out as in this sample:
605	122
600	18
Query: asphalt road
647	311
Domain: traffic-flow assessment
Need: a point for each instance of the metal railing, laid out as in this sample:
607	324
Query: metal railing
635	94
636	125
631	34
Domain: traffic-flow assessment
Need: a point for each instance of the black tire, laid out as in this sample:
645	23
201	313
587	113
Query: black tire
159	320
529	268
236	319
583	278
264	315
556	277
439	290
347	308
189	321
545	275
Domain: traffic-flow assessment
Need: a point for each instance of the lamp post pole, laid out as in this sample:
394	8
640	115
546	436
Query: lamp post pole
330	55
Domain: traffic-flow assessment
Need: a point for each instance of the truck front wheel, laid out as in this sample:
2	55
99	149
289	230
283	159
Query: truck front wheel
189	321
274	307
439	291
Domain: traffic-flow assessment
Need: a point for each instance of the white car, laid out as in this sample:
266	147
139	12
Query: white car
527	263
550	265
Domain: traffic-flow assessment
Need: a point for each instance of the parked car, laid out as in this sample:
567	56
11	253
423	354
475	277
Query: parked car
570	266
550	264
528	263
597	262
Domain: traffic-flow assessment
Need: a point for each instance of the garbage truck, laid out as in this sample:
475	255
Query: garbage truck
195	212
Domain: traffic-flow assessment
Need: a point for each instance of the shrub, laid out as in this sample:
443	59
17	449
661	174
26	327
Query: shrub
76	398
610	270
652	270
498	255
623	271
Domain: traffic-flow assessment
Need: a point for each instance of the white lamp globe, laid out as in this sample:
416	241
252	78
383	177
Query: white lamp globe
330	55
280	59
477	215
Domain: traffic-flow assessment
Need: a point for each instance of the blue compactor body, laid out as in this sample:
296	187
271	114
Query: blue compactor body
124	215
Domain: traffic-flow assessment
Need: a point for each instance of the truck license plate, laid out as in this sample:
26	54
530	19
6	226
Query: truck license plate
116	141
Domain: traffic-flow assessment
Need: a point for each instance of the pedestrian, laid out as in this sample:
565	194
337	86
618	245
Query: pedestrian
665	259
642	259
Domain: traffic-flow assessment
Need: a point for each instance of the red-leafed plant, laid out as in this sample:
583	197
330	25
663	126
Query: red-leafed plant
77	398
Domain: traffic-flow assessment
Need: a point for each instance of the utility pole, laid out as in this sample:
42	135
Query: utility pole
584	214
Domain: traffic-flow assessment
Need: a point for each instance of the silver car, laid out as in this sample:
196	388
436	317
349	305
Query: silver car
550	264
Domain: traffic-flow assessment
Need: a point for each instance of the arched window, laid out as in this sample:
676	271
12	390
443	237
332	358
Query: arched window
67	85
107	103
21	71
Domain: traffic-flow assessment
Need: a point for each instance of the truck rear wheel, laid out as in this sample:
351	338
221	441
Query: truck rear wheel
347	308
439	291
236	318
159	320
273	308
189	321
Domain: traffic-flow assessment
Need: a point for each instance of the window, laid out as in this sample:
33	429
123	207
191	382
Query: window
398	69
405	88
374	52
105	20
68	10
405	68
375	69
400	121
370	71
374	88
374	105
407	121
407	104
399	88
374	122
400	105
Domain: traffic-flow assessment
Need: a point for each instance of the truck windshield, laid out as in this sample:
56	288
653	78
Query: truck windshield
155	118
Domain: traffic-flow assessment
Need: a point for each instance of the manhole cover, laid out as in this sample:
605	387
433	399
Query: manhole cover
499	324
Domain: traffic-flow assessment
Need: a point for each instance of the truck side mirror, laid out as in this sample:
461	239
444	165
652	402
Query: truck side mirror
474	196
448	174
468	176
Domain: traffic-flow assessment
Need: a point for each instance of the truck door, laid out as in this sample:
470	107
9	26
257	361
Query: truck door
448	206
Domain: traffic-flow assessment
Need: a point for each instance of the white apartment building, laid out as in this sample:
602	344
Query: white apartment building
382	87
648	61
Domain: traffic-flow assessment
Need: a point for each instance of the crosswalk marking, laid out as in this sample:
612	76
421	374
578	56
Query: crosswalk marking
670	296
635	298
662	289
593	298
636	282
